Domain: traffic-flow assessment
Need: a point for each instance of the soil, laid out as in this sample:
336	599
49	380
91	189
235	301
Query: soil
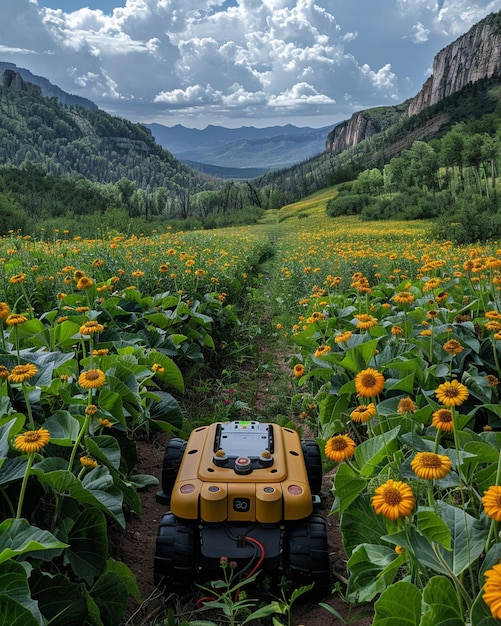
136	547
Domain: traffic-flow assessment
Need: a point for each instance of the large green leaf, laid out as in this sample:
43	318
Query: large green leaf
10	425
12	469
14	584
398	605
357	358
111	596
126	576
372	568
13	613
444	605
105	449
63	428
433	527
348	485
370	453
96	489
61	601
359	524
88	545
18	537
166	409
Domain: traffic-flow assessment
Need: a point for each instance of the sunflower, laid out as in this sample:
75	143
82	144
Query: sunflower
397	330
366	321
15	318
492	502
492	590
429	465
100	351
20	373
432	314
84	282
4	310
159	369
363	413
17	278
104	421
442	420
452	393
404	297
91	327
339	448
369	383
406	405
493	315
343	337
32	440
299	370
453	346
394	499
321	350
92	379
88	461
492	380
4	372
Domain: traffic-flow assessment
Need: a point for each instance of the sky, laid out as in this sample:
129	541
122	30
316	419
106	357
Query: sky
235	62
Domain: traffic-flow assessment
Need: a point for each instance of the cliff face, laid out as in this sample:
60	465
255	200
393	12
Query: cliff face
350	133
472	57
13	80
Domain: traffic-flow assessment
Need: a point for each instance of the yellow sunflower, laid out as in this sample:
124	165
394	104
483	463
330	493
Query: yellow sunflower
321	350
452	393
84	282
15	318
159	369
453	346
443	420
369	383
492	590
339	448
394	499
430	466
406	405
4	372
363	413
4	310
91	327
88	461
492	502
92	379
403	297
20	373
366	321
32	440
18	278
343	337
298	370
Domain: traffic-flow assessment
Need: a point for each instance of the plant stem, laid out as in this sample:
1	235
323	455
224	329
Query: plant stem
24	485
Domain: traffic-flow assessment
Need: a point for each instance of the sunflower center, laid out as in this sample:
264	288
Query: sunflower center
445	416
368	380
392	496
92	375
339	444
429	459
452	392
31	436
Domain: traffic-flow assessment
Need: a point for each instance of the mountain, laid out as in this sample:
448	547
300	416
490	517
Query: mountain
70	139
47	88
271	148
472	58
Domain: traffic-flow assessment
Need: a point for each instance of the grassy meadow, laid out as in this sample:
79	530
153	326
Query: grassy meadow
393	342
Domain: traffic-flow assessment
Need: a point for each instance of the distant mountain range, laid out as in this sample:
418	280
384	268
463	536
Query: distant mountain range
257	150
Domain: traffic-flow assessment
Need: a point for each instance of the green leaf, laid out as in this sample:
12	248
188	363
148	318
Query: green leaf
12	469
88	545
126	576
372	568
431	526
18	537
398	605
96	489
372	452
358	357
444	605
14	584
105	449
61	601
12	613
63	428
360	524
111	596
111	401
171	375
348	485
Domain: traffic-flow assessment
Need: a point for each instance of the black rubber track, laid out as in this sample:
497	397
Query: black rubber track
313	462
176	553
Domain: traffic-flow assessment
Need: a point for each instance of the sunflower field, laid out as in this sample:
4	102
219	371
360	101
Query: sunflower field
394	346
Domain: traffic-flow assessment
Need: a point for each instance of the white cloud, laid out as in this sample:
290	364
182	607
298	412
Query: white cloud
235	59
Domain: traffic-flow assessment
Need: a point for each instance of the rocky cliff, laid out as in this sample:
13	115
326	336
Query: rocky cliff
348	134
14	80
474	56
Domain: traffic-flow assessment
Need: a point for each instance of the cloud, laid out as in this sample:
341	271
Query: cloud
218	60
